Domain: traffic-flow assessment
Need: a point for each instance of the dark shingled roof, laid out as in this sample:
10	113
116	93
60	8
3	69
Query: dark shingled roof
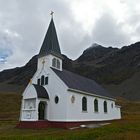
41	91
50	44
77	82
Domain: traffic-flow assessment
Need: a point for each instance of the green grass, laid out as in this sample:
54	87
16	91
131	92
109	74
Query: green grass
128	128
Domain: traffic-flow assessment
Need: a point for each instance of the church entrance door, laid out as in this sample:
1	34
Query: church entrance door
41	110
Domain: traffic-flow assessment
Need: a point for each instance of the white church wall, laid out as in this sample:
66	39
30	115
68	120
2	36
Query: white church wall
30	103
48	62
55	87
57	112
44	64
43	69
29	92
117	112
75	113
40	62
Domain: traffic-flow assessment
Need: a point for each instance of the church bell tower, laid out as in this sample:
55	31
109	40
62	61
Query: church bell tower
50	53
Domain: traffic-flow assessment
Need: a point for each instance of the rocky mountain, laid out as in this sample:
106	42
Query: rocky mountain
116	69
109	65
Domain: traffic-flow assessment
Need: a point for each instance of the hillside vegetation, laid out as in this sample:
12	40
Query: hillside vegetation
117	69
126	129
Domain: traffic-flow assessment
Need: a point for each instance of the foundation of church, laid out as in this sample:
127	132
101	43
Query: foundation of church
51	124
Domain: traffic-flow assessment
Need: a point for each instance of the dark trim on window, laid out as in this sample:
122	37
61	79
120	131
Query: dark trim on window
46	80
38	81
58	64
105	106
54	62
84	104
56	99
96	105
42	80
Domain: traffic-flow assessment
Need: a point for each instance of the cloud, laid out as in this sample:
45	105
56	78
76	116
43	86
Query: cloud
109	33
26	24
6	44
23	25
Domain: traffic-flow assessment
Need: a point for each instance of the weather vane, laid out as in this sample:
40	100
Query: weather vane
52	14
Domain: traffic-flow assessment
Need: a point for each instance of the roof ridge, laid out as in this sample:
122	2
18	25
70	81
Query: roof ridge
78	82
80	75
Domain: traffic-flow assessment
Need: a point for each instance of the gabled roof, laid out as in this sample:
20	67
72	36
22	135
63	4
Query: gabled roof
80	83
41	91
50	44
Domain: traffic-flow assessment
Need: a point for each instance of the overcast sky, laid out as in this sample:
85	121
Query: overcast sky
79	24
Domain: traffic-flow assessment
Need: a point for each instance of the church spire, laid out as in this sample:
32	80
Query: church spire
50	44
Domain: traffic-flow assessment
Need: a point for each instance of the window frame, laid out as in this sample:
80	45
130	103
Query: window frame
84	104
39	81
112	105
54	62
96	106
42	80
105	107
46	80
56	99
58	63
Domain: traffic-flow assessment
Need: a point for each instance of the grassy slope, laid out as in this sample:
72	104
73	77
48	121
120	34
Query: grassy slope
129	89
126	129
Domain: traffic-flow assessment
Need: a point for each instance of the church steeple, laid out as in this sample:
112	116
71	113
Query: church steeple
50	53
50	44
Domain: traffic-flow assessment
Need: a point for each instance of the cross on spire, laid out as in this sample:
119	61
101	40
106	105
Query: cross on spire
52	14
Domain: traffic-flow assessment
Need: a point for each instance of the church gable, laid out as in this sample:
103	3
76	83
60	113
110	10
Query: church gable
29	92
35	91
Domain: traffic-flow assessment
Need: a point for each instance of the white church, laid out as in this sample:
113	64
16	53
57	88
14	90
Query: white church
56	97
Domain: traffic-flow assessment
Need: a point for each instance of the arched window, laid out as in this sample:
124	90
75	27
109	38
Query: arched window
58	64
54	62
96	105
84	104
42	80
105	106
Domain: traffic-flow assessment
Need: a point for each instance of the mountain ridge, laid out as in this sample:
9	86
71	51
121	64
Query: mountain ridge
108	66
